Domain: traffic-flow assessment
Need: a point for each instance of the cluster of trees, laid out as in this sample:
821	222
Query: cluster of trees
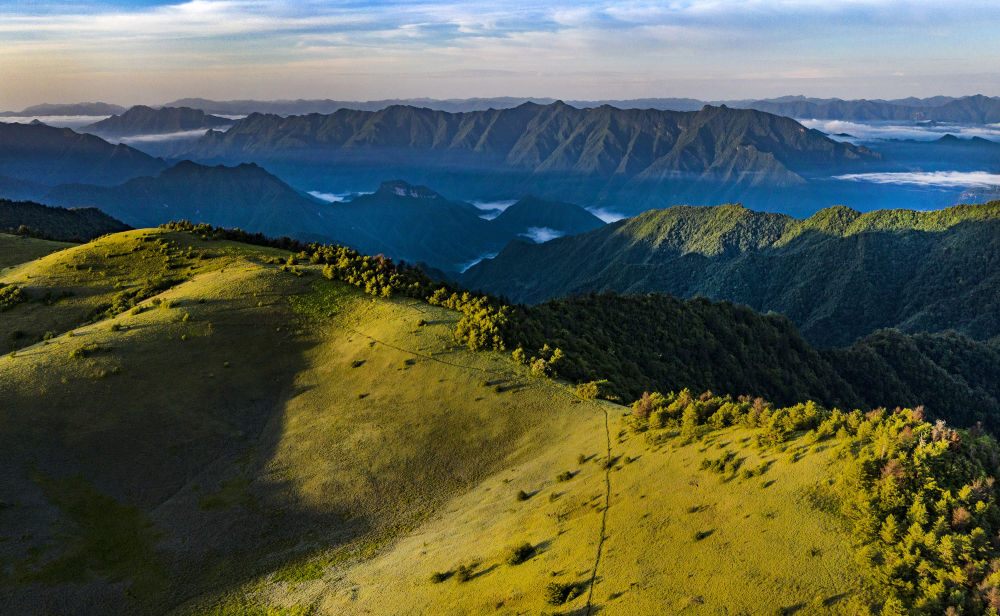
921	497
10	296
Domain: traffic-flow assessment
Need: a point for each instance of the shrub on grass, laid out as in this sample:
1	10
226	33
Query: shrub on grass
593	389
439	576
464	573
10	296
522	496
564	476
557	593
520	554
87	350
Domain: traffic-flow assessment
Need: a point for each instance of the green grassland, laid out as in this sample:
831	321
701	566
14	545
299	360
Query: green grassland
17	249
250	437
241	420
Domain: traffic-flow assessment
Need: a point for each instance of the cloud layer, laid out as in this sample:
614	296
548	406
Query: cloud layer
859	132
152	51
930	179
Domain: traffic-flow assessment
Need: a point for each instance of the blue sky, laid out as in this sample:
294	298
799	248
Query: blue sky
153	51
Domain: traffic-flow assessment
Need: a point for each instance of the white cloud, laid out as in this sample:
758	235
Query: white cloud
158	137
566	49
541	235
936	179
465	266
605	214
330	197
861	131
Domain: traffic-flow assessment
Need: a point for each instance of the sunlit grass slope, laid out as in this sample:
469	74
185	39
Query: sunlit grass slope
244	419
676	539
193	427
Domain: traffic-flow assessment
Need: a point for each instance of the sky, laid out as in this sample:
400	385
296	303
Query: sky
154	51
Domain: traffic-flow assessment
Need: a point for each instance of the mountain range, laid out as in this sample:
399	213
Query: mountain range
976	109
67	109
838	275
407	222
627	157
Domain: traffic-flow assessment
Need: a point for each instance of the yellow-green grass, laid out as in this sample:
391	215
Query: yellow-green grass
16	249
677	539
73	286
267	442
254	421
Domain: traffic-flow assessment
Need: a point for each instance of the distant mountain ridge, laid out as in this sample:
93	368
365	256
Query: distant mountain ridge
404	221
70	109
975	109
838	275
633	158
56	223
141	120
46	155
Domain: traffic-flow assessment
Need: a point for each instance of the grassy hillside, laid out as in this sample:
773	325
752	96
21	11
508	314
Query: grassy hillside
15	249
839	275
219	428
239	421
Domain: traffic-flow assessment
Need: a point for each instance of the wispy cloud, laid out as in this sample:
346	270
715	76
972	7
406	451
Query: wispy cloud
540	235
579	49
933	179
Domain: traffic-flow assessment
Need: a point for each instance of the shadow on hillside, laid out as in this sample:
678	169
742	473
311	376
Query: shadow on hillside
186	434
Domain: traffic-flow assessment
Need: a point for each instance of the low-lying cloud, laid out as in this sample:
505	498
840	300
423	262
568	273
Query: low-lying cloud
336	197
159	137
878	131
934	179
465	266
605	214
541	235
492	209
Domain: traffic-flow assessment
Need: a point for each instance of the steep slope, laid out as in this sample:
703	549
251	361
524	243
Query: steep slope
838	275
143	120
56	223
47	155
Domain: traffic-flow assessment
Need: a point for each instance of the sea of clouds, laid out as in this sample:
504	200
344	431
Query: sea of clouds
929	179
877	131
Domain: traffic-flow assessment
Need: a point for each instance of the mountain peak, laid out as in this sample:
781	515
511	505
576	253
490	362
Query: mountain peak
399	188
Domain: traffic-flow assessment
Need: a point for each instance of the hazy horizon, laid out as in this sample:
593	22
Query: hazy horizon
154	51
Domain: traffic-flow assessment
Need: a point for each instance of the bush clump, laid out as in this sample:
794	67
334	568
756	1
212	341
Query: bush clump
520	554
557	593
10	296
